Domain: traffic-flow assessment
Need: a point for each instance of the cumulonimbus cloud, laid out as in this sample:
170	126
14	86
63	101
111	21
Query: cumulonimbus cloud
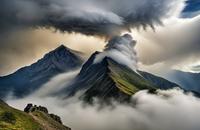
91	17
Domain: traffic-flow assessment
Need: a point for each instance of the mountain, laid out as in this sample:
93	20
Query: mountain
159	82
107	79
13	119
112	74
30	78
188	81
110	80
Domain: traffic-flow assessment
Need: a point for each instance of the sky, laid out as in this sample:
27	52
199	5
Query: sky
165	35
166	31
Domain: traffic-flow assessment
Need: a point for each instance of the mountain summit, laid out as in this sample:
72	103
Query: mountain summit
107	79
112	74
121	49
30	78
62	59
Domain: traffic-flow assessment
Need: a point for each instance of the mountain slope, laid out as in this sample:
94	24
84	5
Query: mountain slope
13	119
188	81
30	78
107	79
159	82
113	73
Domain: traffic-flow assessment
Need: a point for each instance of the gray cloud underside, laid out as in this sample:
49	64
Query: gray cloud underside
91	17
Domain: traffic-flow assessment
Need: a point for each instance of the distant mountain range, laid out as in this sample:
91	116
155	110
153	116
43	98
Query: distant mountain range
30	78
188	81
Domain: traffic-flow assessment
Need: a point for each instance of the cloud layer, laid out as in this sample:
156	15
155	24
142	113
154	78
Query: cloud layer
91	17
168	110
174	46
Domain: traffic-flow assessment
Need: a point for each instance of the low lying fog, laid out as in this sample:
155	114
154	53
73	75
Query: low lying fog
168	110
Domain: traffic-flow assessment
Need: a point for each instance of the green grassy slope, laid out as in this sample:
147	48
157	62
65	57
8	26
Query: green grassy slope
47	122
110	80
13	119
127	80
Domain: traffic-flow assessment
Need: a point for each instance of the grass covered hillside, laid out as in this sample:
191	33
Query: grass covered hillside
13	119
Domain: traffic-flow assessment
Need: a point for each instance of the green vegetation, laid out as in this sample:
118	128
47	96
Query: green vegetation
12	119
8	117
127	80
47	121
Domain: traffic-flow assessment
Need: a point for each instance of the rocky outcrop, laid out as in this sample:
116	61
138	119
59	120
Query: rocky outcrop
56	118
31	108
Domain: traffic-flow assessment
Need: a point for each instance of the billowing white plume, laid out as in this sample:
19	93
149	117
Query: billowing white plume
121	49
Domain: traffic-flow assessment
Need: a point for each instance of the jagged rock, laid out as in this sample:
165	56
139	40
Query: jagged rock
28	108
31	108
43	109
11	118
56	118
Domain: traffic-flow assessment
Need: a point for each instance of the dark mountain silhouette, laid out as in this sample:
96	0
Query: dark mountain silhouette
110	80
30	78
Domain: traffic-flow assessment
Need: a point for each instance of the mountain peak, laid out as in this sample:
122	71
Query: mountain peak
62	47
126	40
107	79
58	61
120	49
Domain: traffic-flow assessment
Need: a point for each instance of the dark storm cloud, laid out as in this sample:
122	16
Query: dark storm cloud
91	17
20	20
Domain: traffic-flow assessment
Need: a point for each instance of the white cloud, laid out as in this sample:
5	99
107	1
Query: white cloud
168	110
120	49
175	44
